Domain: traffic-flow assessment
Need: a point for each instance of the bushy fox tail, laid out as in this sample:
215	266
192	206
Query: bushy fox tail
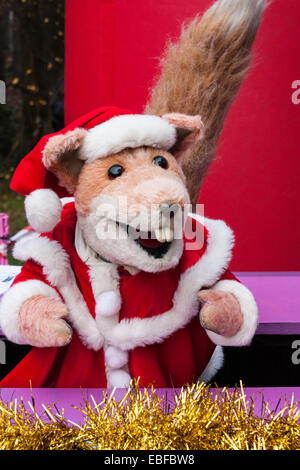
202	73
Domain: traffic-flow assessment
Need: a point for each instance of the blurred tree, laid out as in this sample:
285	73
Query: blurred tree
32	65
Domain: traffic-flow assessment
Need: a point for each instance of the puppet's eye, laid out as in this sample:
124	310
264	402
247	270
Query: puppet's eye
161	161
115	171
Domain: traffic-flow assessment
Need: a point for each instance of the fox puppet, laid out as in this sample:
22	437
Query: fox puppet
119	282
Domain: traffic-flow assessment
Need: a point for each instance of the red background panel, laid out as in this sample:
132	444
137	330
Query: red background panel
112	51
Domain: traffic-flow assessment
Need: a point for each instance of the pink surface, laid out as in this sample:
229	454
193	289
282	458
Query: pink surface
66	399
112	50
277	295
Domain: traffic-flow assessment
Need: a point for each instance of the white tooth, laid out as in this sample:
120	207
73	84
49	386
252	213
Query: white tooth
163	236
159	235
166	234
169	234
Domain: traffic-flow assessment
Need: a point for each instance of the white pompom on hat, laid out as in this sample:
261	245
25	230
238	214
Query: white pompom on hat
43	210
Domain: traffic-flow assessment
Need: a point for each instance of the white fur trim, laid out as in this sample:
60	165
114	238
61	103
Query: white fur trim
104	277
49	254
214	365
127	131
115	358
118	378
67	200
57	269
85	252
43	210
128	334
11	304
108	303
249	310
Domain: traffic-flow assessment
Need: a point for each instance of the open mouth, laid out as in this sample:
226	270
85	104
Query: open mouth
155	243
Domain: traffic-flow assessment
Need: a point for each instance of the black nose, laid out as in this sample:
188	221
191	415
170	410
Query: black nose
169	208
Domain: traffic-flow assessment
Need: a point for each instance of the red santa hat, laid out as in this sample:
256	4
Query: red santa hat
110	130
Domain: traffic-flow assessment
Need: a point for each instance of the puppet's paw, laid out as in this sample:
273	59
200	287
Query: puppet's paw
221	312
41	322
108	303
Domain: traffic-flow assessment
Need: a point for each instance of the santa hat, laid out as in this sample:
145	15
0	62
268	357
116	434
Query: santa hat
110	130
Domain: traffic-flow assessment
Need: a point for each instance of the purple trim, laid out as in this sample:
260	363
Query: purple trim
66	398
278	297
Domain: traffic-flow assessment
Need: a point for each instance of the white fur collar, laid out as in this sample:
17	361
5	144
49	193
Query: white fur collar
127	334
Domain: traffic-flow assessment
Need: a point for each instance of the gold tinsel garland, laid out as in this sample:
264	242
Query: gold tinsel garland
194	419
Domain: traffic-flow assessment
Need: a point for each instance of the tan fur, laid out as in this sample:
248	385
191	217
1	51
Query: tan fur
184	122
61	158
139	168
203	72
41	322
221	313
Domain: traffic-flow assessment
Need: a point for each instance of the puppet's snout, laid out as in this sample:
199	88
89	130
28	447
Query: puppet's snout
169	194
162	205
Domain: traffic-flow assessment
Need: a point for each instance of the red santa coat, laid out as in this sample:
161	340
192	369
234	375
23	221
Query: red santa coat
158	328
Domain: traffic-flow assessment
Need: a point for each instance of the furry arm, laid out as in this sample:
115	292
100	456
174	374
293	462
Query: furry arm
229	314
31	310
41	322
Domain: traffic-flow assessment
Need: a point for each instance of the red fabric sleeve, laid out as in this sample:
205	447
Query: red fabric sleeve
30	270
228	276
33	271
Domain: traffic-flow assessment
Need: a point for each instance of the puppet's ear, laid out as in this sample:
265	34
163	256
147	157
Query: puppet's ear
190	129
61	157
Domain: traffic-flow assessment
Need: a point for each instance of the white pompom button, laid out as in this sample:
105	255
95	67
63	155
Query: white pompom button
108	303
115	357
118	378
